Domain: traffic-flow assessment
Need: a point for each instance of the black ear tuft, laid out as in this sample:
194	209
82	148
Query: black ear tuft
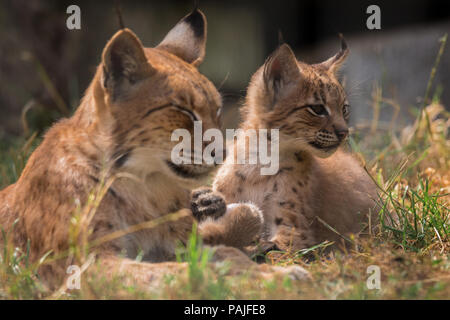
187	39
197	23
335	62
344	45
280	37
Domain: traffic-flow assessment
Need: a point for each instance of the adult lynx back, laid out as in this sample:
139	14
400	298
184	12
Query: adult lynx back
137	98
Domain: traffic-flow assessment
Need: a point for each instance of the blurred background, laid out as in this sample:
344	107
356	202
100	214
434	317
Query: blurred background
45	68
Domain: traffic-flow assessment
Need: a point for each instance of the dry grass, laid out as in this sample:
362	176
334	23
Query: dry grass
412	170
413	254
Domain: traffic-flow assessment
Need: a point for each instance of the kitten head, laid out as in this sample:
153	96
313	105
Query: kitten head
305	102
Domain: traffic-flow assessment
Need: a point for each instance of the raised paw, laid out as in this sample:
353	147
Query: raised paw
206	203
242	223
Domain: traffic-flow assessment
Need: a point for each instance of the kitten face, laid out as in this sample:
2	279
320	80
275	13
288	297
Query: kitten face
305	102
315	113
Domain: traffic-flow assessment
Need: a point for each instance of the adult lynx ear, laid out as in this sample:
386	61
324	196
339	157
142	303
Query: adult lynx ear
124	63
334	63
187	39
281	72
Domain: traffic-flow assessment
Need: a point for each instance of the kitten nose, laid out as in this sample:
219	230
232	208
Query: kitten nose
341	133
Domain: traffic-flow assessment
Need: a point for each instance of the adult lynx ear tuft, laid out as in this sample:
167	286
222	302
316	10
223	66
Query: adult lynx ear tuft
187	39
281	72
334	63
124	63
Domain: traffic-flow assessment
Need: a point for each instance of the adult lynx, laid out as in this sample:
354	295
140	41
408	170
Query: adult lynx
137	98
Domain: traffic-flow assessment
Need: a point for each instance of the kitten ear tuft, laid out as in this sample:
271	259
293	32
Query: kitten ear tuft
187	39
344	46
334	63
280	37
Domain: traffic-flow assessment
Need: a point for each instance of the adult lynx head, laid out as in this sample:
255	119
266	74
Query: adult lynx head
305	102
143	94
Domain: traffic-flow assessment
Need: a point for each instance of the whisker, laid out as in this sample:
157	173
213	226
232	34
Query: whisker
224	80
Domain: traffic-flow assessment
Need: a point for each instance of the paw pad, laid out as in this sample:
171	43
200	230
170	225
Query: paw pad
207	204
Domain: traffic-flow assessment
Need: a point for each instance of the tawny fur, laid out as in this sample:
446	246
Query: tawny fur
137	98
316	183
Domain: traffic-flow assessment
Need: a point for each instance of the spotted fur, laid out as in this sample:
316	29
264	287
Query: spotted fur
317	182
123	126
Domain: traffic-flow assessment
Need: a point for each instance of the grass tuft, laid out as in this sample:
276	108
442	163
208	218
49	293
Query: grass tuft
411	166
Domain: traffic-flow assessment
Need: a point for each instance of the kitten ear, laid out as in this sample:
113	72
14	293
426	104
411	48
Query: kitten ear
281	72
334	63
124	63
187	39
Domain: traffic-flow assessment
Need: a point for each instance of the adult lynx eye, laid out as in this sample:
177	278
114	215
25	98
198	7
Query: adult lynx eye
318	110
186	111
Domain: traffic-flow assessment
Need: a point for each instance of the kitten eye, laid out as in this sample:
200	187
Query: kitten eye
345	110
318	110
